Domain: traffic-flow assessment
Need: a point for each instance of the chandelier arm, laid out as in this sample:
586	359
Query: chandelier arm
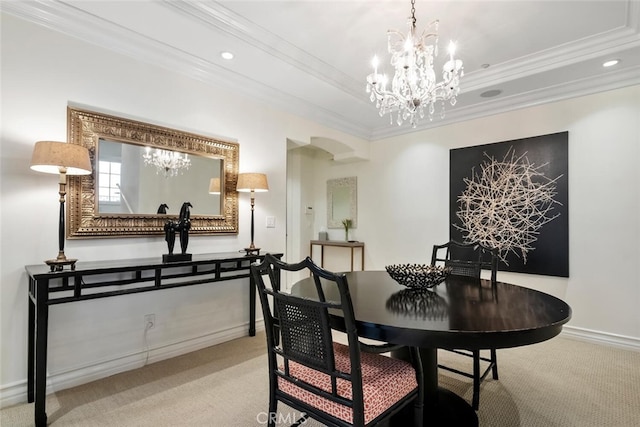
414	85
426	35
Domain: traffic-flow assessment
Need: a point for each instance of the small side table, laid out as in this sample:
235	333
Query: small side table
353	245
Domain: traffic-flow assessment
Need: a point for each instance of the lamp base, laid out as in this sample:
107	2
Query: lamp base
176	257
252	251
58	264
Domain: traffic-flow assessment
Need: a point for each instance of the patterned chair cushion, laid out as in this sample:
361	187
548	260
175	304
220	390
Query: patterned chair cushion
384	381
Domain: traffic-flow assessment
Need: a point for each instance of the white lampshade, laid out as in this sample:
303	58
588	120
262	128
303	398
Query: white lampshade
214	186
252	182
51	156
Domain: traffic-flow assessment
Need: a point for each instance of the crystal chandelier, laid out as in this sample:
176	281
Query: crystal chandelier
414	87
170	163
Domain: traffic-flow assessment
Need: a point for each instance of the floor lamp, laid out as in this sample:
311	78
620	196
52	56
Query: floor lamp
252	182
63	159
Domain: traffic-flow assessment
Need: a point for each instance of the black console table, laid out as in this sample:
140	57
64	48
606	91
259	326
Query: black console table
102	279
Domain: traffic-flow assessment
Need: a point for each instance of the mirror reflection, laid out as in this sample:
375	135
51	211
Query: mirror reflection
133	179
342	202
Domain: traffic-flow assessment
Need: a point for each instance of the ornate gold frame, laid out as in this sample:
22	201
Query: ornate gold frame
83	221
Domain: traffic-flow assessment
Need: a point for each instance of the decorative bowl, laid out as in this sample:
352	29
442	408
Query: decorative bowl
418	275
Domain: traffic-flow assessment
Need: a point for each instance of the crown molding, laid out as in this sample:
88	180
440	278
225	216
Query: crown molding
574	89
222	19
78	24
67	19
605	43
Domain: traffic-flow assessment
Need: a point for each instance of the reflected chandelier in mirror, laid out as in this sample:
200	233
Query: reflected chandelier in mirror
151	190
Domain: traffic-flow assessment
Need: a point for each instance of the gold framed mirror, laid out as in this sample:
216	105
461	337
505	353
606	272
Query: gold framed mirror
141	170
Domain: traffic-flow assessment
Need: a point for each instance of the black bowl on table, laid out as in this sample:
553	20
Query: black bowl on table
418	275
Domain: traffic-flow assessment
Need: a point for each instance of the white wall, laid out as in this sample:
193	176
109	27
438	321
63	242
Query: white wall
42	73
403	202
300	175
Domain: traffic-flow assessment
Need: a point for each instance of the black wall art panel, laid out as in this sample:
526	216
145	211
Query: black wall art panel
513	195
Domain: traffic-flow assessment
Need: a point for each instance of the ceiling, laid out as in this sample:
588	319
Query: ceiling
311	58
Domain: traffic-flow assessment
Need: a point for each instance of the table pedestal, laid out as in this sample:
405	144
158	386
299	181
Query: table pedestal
451	410
442	407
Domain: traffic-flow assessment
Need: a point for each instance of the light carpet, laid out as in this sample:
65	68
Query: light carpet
560	382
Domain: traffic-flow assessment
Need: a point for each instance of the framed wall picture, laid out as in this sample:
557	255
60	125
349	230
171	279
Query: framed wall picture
513	195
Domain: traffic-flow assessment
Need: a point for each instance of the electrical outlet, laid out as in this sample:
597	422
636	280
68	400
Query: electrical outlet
149	321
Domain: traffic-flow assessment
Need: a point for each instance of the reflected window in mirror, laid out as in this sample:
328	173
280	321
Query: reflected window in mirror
109	188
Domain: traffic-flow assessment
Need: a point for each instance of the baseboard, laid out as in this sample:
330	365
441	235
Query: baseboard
603	338
14	393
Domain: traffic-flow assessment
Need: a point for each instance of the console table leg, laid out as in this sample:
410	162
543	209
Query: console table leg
30	346
352	258
41	332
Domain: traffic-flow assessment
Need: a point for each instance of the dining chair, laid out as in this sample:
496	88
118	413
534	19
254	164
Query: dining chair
469	260
333	383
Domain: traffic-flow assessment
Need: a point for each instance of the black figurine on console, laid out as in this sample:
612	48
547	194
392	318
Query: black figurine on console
182	226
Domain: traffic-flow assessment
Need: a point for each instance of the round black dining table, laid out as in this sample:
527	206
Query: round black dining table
460	313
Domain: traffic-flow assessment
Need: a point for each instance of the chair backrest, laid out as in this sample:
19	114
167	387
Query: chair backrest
299	330
466	259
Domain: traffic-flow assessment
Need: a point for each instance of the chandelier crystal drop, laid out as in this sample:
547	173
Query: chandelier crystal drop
169	163
414	88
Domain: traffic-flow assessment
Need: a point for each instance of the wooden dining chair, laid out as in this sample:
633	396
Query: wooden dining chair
469	260
333	383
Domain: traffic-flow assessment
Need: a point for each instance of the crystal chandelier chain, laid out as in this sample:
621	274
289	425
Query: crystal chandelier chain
170	163
414	86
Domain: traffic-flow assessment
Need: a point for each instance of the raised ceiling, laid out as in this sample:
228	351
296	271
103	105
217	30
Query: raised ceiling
311	57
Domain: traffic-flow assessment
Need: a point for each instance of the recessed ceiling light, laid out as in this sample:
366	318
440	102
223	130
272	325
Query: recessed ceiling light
611	63
491	93
226	55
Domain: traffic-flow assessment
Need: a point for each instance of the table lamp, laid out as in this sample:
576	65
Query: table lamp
63	159
252	182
